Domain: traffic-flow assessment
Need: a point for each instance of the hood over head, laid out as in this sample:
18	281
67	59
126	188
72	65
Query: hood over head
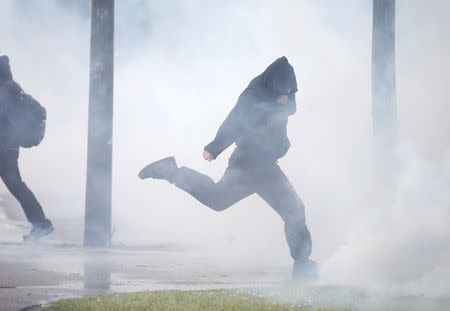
5	70
279	75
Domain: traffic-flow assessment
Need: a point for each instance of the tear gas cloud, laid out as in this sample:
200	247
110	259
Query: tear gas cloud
180	67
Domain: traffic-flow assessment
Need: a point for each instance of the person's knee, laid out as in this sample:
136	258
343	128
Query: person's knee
218	206
16	186
13	182
217	199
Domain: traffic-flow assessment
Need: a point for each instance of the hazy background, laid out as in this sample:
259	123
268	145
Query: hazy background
180	66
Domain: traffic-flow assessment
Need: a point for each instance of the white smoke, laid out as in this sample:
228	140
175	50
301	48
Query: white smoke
179	70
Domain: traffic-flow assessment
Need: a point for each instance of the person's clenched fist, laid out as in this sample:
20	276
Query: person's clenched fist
207	156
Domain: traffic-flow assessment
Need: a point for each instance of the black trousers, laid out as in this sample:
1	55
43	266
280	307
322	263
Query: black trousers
9	172
238	182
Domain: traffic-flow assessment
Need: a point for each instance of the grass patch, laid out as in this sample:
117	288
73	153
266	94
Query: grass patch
282	298
174	300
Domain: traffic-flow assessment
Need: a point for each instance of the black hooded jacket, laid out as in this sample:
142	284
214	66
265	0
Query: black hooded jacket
257	124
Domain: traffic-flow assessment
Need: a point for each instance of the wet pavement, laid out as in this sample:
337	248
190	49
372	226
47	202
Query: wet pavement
42	273
36	275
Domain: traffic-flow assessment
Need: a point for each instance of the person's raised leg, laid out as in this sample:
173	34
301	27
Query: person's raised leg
232	187
275	188
235	185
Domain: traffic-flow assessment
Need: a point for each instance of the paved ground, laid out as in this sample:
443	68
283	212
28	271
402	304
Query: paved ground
39	274
52	270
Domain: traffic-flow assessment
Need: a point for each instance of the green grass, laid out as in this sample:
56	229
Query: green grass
281	298
217	300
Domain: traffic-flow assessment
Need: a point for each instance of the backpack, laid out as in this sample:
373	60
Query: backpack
28	119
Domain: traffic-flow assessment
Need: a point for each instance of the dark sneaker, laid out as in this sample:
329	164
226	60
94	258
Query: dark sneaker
39	231
305	270
163	169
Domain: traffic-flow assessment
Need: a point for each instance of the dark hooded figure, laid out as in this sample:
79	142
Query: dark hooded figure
257	125
10	93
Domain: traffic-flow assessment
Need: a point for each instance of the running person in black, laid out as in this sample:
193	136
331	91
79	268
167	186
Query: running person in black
257	124
10	93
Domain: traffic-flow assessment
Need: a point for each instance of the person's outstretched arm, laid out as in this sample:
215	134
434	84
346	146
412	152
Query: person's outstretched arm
231	128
